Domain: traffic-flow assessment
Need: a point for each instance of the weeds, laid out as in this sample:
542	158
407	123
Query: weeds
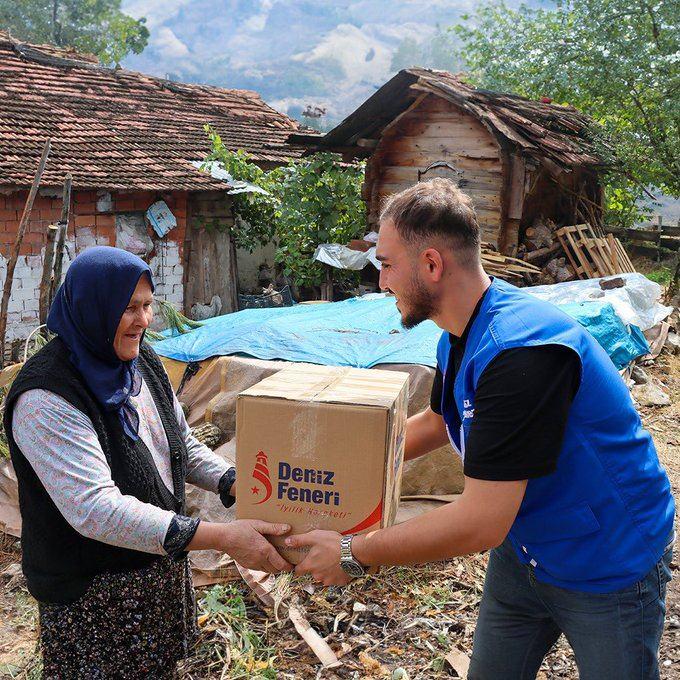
229	647
661	275
175	322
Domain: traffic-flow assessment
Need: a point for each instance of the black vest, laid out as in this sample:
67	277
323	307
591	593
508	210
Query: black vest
58	562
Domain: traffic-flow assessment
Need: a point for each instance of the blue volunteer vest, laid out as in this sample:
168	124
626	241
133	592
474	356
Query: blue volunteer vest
602	519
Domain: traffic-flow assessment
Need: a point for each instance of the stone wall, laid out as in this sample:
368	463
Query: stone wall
97	218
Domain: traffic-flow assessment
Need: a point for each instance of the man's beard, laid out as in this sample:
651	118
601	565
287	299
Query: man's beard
418	303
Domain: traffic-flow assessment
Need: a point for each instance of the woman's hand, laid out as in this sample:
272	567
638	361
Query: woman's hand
245	541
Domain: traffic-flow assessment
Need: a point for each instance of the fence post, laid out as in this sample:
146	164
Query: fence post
12	262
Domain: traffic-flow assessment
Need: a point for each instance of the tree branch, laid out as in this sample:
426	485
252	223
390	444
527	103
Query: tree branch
655	28
657	134
56	26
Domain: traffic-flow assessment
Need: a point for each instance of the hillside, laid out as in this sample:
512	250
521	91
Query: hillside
296	53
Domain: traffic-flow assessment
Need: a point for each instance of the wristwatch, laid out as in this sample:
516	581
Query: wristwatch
349	565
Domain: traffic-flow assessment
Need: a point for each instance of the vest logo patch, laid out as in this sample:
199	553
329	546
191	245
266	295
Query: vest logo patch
467	411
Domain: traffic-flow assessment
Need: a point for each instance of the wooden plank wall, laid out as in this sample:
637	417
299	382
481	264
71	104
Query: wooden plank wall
210	267
436	130
512	196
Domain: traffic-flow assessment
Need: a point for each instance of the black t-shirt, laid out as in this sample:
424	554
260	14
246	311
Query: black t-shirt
522	403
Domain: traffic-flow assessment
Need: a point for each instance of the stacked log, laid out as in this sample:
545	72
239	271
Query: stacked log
208	434
541	247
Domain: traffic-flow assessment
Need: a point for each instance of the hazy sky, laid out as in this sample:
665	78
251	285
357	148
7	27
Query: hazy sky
294	52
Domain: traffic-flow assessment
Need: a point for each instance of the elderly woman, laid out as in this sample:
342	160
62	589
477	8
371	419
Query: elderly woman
102	450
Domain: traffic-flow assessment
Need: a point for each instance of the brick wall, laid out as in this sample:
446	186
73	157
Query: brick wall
92	222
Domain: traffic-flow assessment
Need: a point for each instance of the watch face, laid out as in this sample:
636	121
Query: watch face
352	568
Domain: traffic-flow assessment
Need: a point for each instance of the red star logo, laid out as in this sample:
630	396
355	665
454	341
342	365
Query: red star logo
261	475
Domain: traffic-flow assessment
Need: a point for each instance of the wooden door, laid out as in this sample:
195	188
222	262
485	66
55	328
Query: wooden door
211	262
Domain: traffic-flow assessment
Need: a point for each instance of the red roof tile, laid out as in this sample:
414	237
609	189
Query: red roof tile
118	129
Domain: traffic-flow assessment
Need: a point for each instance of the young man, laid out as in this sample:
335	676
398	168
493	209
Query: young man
561	480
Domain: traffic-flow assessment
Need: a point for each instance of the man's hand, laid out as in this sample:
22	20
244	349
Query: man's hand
244	540
323	559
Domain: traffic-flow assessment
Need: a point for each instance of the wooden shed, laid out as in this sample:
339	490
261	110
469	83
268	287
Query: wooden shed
520	160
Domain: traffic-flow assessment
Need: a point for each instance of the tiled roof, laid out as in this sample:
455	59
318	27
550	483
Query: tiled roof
118	129
558	136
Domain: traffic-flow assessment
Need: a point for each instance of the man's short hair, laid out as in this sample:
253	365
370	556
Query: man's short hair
436	208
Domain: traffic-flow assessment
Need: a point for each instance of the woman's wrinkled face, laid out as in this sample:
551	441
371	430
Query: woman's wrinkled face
135	320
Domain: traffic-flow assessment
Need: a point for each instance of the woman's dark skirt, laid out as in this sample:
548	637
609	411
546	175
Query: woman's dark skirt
131	625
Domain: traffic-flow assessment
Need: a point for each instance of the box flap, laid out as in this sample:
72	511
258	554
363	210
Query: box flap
331	384
300	382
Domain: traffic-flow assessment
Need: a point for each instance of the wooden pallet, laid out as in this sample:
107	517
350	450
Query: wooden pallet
591	256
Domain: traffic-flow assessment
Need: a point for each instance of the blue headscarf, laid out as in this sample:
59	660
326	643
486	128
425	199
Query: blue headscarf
85	314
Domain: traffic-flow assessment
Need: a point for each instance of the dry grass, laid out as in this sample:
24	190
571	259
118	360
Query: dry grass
414	616
18	619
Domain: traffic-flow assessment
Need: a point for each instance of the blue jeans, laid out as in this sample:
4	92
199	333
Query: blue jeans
614	636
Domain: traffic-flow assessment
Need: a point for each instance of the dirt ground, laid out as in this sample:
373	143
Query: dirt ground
402	623
664	424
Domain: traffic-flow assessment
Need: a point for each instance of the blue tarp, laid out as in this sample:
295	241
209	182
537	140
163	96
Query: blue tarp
622	343
360	332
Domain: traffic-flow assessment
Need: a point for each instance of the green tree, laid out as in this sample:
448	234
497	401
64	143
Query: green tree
617	60
441	51
319	202
436	51
257	211
96	26
409	53
309	201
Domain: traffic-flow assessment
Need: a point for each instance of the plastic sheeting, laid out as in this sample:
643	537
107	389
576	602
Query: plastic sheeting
211	396
10	516
237	186
636	303
342	257
598	317
360	332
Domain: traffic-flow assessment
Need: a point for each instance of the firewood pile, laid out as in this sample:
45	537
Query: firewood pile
567	253
505	267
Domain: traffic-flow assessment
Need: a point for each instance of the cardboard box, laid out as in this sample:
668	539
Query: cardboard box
320	447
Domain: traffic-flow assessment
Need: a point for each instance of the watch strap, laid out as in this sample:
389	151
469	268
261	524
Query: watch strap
346	548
